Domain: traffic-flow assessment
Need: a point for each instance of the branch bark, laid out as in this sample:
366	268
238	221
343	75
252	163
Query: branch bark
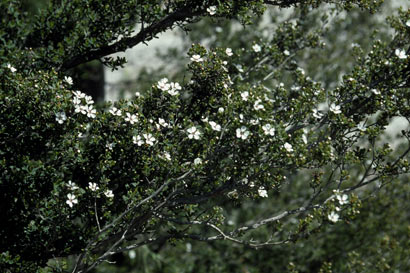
145	34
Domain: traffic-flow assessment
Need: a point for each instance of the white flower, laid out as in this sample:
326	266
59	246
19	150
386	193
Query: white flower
173	88
89	100
137	94
211	10
408	23
137	140
335	108
343	199
163	84
81	109
256	48
400	53
193	133
286	52
12	69
197	58
93	186
72	186
68	80
262	192
131	118
245	95
167	156
76	101
375	91
334	217
268	129
254	121
242	132
71	200
109	146
221	110
300	70
215	126
162	122
288	147
197	161
61	117
90	111
295	88
229	52
317	114
79	94
149	139
116	112
257	106
109	194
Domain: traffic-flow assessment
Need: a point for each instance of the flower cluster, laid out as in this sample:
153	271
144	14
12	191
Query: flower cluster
12	69
148	139
84	104
94	187
172	88
163	123
115	112
262	192
400	53
342	199
215	126
71	198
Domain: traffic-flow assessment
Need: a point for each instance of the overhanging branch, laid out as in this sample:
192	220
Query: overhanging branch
144	35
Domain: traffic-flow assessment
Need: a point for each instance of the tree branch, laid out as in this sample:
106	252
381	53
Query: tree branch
147	33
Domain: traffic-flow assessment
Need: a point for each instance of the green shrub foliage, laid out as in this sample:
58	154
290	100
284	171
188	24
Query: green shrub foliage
89	181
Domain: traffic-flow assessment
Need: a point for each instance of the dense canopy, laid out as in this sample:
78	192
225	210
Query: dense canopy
246	126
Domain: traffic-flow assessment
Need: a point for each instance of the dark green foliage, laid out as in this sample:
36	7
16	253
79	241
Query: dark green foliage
180	163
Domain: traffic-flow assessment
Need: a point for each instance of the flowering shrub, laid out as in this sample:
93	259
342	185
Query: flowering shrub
77	179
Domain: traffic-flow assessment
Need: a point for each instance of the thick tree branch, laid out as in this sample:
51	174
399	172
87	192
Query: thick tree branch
182	15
